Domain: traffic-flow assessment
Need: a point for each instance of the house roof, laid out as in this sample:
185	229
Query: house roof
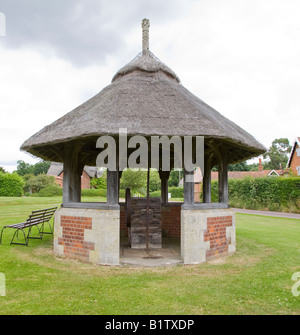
57	168
297	142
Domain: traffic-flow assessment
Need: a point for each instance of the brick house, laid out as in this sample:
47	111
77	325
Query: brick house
57	170
294	160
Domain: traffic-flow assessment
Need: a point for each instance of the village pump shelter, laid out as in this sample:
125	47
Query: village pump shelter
147	99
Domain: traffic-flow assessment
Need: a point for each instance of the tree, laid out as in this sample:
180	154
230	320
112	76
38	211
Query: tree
154	181
278	154
242	166
136	180
36	169
174	178
2	170
35	183
24	168
41	167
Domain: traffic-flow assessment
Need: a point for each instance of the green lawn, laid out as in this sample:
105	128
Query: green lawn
255	280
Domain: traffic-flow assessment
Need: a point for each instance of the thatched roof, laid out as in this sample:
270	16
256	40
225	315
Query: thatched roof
147	98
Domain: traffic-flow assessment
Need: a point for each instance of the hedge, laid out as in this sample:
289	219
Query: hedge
93	192
176	192
50	191
11	185
269	193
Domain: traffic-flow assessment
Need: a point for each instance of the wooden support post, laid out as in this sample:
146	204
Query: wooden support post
188	188
207	181
72	174
147	211
112	187
164	178
223	179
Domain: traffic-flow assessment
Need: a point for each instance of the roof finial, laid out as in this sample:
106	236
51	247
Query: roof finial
145	26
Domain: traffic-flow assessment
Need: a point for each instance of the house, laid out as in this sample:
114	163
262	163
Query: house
294	160
89	172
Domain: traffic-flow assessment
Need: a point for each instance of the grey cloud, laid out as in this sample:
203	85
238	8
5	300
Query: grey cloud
83	32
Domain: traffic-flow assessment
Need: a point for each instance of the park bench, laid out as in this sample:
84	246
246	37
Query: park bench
37	219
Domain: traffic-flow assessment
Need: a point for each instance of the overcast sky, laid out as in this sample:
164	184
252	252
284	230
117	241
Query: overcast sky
242	57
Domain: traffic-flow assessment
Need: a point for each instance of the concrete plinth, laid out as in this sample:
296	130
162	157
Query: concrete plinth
91	235
206	234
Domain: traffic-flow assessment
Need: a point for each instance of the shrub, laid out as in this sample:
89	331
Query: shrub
155	194
93	193
176	192
272	193
50	191
99	183
11	185
36	183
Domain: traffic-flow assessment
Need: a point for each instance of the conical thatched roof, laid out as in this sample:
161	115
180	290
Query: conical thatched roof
147	98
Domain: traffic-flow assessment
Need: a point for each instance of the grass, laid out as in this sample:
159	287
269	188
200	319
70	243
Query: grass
255	280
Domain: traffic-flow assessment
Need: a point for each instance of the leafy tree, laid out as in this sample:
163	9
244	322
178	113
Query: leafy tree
2	170
278	154
24	168
136	180
36	183
253	167
174	178
154	181
98	183
242	166
41	167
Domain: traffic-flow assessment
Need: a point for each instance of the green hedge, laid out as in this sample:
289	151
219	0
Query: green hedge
93	192
176	192
270	193
50	191
11	185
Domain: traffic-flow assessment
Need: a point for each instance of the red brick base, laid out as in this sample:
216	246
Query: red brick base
171	220
73	237
216	235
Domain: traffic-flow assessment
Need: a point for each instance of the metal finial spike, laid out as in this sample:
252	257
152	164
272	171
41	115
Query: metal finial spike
145	26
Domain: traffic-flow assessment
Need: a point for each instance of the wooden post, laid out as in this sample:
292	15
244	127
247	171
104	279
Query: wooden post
223	179
207	181
164	177
72	174
147	211
188	188
112	187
